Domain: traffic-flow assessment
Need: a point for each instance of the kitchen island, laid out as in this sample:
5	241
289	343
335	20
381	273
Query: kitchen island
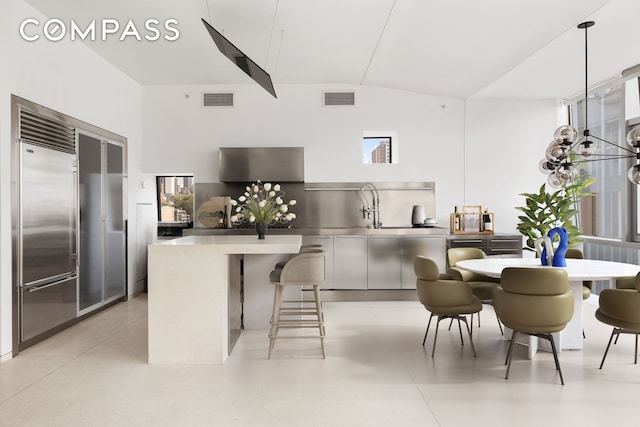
188	302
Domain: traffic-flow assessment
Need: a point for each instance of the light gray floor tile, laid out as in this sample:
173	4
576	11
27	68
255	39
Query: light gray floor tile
376	373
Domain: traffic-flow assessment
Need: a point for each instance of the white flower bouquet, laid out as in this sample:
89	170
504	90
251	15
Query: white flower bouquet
262	204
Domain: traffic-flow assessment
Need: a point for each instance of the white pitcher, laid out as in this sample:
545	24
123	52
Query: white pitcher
539	248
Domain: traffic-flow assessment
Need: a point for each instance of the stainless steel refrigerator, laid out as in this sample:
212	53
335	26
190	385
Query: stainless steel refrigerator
48	239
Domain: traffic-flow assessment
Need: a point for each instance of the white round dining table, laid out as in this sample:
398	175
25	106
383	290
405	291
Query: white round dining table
578	270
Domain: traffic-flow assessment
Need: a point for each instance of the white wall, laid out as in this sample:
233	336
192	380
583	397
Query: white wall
479	152
70	78
180	136
505	139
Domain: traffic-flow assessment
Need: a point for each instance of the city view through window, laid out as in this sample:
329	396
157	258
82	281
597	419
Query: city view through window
175	198
376	150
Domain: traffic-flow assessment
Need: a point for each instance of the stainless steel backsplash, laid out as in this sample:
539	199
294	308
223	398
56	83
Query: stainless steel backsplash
338	204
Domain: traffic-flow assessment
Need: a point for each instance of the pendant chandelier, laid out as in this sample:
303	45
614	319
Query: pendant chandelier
567	150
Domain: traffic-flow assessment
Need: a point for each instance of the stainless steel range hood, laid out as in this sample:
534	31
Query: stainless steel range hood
247	164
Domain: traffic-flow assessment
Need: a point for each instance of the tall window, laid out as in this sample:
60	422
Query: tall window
602	213
175	198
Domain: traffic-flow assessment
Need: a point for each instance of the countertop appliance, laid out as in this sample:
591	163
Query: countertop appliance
418	216
47	237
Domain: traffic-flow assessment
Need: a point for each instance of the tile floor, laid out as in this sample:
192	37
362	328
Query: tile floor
376	374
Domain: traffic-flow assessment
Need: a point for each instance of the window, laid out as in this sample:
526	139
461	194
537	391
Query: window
376	150
175	198
379	147
614	210
602	214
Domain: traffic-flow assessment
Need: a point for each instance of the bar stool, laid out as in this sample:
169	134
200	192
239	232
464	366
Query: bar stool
304	269
312	247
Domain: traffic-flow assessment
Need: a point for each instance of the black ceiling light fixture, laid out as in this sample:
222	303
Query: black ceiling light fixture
241	60
567	150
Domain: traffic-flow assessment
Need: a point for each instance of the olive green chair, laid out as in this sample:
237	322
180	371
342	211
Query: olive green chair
444	298
482	286
587	285
620	308
534	301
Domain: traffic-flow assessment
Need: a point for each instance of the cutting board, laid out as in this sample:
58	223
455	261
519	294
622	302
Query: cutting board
211	213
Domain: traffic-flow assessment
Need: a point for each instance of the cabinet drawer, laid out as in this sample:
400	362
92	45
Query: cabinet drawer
504	244
466	243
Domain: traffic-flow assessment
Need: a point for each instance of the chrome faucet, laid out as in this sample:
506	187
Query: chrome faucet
373	207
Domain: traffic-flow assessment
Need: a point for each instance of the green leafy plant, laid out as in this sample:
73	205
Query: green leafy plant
544	211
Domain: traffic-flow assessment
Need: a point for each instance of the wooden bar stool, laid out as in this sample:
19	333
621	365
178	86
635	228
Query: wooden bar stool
305	269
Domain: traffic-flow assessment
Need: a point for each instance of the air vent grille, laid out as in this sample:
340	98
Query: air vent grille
217	100
339	98
47	132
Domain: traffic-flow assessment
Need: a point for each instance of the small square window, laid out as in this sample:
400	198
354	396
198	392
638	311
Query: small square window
377	149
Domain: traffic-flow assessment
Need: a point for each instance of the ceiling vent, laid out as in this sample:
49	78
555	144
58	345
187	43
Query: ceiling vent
217	99
339	98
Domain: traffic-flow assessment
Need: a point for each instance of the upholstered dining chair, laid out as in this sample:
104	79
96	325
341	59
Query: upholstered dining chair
620	308
482	286
444	298
587	285
534	301
304	269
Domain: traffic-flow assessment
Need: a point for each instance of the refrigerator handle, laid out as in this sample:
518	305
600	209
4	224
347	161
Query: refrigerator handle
37	288
74	227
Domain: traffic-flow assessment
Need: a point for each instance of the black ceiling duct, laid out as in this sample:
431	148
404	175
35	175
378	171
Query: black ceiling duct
243	62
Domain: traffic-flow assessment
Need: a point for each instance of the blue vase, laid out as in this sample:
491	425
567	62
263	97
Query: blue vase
559	254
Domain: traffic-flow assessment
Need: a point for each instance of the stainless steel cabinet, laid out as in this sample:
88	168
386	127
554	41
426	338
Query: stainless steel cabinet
350	262
432	247
384	262
509	245
504	245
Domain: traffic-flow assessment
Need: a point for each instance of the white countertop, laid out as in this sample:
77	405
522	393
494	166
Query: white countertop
238	244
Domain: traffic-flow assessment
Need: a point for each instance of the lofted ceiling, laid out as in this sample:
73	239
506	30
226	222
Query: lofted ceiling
454	48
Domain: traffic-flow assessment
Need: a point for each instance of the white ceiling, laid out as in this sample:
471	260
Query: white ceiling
454	48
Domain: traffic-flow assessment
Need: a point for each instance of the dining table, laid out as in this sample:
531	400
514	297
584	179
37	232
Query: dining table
578	270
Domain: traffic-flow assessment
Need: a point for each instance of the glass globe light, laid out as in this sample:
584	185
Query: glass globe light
546	167
566	132
566	173
587	148
556	151
634	174
633	137
553	181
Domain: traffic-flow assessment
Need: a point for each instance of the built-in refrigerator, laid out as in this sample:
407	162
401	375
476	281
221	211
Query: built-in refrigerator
47	238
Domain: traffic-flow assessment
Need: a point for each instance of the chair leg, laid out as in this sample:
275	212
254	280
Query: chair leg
427	331
608	345
473	348
555	357
460	328
635	360
320	316
275	318
509	354
435	338
499	324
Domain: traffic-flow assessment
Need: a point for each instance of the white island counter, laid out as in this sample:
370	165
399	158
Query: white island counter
188	288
